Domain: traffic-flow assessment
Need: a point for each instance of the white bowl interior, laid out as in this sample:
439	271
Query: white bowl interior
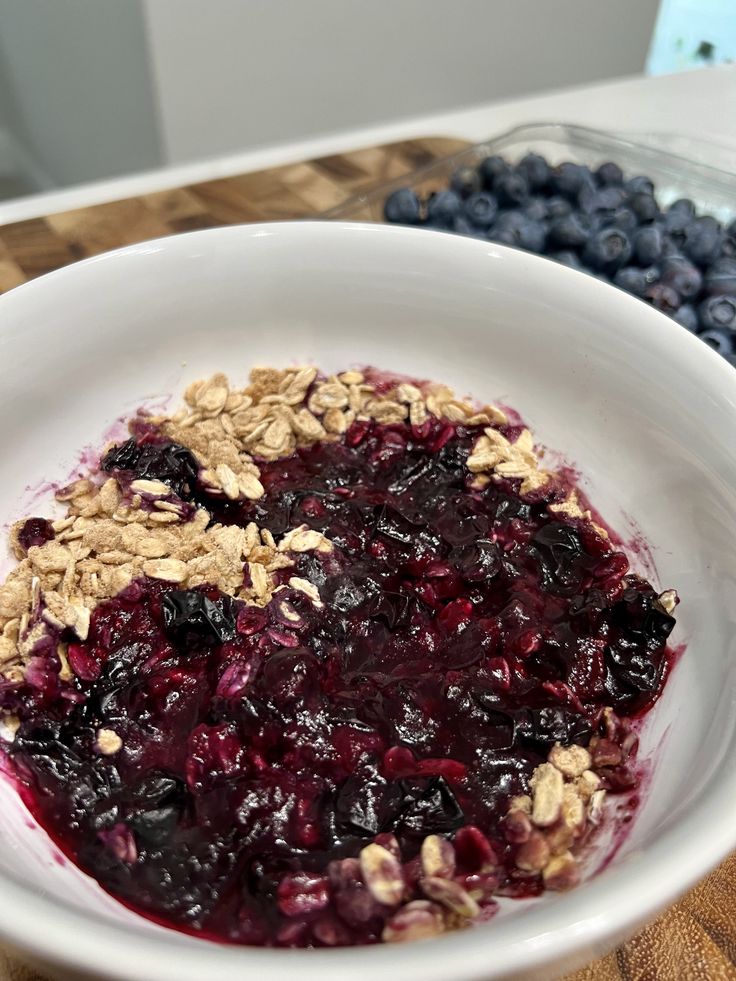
641	408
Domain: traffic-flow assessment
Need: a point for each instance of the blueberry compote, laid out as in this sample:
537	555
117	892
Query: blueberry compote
461	632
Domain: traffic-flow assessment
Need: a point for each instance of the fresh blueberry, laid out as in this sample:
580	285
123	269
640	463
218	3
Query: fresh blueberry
535	169
719	339
513	227
607	250
721	277
687	317
623	218
464	227
512	190
570	232
609	198
647	244
536	209
568	258
679	273
481	209
644	206
702	240
402	207
635	280
718	312
443	208
465	181
639	185
558	207
663	297
609	174
568	178
490	169
679	215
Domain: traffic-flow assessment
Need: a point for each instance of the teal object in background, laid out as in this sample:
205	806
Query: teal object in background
692	34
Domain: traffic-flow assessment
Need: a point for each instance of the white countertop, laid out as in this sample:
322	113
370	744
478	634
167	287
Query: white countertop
698	106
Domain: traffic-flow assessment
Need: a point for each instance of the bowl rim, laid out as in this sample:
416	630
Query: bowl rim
583	920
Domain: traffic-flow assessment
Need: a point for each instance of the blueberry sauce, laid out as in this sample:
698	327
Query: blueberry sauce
462	632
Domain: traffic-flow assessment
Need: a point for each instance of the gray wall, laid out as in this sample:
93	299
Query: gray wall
231	74
76	74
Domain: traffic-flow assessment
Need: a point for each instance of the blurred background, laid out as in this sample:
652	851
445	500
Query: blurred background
91	89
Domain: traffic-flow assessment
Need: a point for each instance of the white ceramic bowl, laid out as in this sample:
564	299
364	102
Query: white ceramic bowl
645	410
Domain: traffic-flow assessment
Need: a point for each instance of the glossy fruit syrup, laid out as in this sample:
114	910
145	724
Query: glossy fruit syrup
463	631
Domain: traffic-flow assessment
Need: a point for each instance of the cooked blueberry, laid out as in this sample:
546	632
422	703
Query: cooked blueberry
647	245
635	280
429	807
687	317
609	174
443	208
702	241
481	209
718	312
663	297
535	169
465	181
512	190
720	278
366	803
639	185
607	250
570	231
490	170
644	207
720	339
682	276
187	610
162	460
35	531
403	207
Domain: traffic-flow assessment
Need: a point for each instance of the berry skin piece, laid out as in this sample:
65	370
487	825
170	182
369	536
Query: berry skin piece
465	181
607	250
443	208
481	209
720	340
402	207
718	312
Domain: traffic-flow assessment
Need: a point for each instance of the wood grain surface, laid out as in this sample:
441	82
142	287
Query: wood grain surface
695	940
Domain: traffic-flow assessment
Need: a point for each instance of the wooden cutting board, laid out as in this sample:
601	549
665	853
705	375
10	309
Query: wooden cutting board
693	941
